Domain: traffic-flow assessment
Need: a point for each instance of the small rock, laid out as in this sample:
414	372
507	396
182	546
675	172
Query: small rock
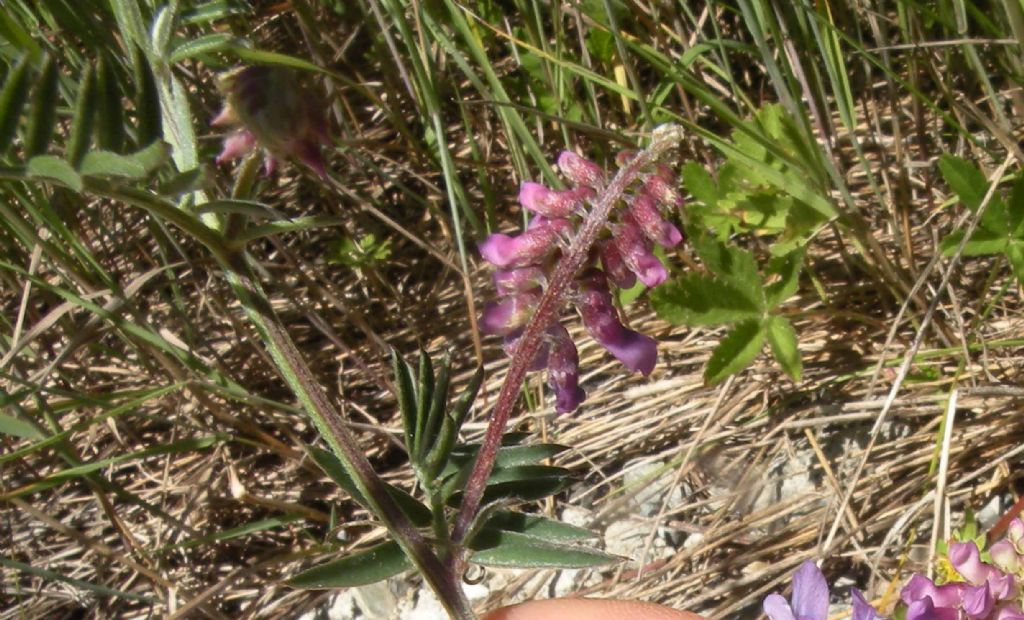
654	480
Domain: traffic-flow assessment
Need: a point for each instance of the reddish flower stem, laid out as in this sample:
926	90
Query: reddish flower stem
548	310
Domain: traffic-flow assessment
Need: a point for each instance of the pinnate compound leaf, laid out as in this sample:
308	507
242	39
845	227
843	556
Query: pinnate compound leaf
697	299
965	179
355	569
783	340
513	550
735	352
52	167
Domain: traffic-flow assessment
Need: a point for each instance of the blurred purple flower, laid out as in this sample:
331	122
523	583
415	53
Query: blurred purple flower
810	597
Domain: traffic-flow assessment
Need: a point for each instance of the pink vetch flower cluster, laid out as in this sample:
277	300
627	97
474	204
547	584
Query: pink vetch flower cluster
979	590
619	258
271	111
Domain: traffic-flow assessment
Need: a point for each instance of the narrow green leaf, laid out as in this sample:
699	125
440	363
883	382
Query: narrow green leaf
14	427
99	590
406	395
783	340
965	179
438	410
355	569
511	456
82	121
261	57
108	164
206	44
12	99
538	527
437	457
424	397
1015	254
43	114
110	118
523	482
160	31
415	510
696	299
512	550
52	167
148	117
735	352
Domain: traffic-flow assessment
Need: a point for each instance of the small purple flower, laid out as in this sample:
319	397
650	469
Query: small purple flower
660	188
862	609
636	253
1009	612
966	559
643	211
636	351
810	597
564	369
920	588
518	280
614	266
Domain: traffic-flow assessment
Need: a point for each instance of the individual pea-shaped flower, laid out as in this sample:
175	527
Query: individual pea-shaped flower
530	247
272	111
862	610
614	266
509	314
643	211
636	351
564	369
635	250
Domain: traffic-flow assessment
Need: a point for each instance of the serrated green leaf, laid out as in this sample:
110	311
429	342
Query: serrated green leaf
13	427
43	114
206	44
965	179
355	569
52	167
415	510
732	265
110	113
538	527
783	340
697	299
735	352
699	183
1015	254
108	164
788	269
82	121
12	99
513	550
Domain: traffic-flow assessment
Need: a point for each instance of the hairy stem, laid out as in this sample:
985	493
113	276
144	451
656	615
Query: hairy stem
548	310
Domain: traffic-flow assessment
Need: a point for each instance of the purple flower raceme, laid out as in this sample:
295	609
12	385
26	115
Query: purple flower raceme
270	110
620	257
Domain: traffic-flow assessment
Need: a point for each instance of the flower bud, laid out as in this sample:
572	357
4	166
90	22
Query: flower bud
552	203
1015	534
644	213
637	352
581	172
